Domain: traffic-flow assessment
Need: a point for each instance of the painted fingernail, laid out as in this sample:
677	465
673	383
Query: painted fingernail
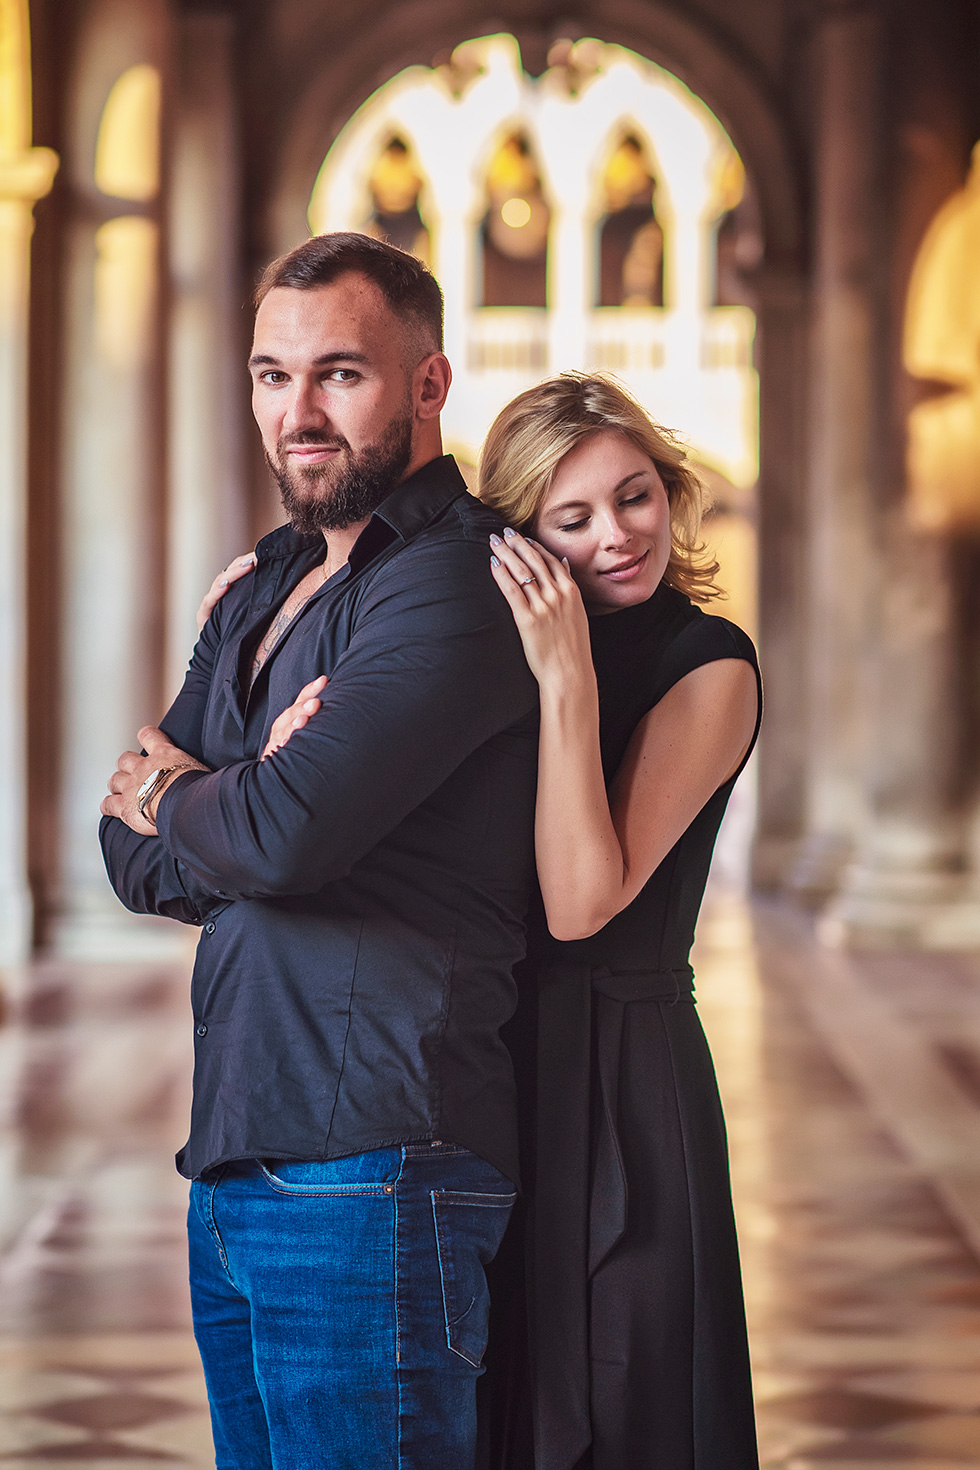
223	582
495	541
495	561
246	561
508	532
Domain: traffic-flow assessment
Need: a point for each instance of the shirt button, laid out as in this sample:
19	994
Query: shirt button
202	1030
210	928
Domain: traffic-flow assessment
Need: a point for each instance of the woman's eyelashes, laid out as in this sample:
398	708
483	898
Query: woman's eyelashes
631	500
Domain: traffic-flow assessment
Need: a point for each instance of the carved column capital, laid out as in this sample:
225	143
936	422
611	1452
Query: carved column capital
26	174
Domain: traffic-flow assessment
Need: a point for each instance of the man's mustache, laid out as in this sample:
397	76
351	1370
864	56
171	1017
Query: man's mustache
308	438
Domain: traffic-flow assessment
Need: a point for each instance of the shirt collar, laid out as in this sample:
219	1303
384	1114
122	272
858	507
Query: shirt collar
407	510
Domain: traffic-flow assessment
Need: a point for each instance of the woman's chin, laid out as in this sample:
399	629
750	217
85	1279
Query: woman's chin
610	596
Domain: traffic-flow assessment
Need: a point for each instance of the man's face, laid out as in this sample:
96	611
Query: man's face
332	396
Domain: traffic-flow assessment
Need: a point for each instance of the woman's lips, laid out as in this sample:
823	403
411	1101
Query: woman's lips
627	570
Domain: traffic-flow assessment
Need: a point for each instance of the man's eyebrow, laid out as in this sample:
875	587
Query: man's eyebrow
567	505
326	359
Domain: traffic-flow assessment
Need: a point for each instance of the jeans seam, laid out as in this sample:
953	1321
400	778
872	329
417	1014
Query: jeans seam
398	1319
212	1226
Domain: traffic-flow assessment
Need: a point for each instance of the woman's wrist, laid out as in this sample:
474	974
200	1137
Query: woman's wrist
574	697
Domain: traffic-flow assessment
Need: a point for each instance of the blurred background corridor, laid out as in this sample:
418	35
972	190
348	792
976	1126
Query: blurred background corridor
765	218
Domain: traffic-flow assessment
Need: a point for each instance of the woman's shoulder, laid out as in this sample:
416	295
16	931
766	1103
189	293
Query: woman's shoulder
696	637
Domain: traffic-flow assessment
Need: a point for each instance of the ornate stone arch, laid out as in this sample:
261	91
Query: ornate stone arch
705	60
712	64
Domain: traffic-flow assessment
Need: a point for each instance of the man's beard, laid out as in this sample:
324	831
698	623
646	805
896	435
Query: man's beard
346	489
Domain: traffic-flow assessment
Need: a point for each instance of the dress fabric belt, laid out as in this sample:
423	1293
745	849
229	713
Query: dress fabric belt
581	1190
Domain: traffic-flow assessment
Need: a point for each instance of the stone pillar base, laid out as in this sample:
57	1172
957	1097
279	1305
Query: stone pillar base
878	909
817	872
772	859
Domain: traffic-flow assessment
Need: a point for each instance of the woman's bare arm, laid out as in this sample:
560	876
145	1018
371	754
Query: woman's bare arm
596	851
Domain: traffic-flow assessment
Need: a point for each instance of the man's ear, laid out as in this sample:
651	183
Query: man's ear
431	385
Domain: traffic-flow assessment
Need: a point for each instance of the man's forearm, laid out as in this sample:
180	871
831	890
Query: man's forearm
148	880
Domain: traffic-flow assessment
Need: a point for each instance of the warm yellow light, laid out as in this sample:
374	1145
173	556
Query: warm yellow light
515	213
125	289
127	150
941	345
15	76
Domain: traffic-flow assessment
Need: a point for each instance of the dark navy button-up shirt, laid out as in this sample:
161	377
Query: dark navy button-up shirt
362	891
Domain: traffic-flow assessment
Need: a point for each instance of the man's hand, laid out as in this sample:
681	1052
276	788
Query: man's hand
296	716
132	770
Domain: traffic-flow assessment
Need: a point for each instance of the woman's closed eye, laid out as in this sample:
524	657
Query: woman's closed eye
636	499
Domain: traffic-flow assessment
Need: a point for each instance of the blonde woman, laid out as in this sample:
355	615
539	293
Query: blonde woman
649	710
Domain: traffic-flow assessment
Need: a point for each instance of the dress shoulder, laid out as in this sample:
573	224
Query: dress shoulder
702	639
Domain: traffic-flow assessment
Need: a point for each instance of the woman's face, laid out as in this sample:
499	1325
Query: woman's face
607	512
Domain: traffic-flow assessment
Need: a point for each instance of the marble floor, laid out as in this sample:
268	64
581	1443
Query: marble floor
852	1088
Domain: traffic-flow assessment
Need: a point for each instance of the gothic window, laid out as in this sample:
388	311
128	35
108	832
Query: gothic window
514	232
395	185
127	150
631	240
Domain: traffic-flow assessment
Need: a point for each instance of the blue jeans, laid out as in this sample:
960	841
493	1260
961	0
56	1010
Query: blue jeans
341	1307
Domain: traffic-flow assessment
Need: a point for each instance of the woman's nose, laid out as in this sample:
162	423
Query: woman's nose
615	534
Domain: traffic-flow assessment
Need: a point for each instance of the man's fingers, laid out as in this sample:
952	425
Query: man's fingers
151	738
309	690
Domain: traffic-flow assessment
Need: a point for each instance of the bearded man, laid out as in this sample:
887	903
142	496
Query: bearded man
361	891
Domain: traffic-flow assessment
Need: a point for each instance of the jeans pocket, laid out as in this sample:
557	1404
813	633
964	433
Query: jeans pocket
318	1178
469	1229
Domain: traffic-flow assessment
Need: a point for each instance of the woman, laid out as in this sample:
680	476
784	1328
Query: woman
649	710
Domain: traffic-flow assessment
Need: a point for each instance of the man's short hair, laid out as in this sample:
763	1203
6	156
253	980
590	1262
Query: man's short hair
409	289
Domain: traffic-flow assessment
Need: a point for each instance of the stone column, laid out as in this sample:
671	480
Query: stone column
842	559
908	884
26	175
111	530
780	304
210	322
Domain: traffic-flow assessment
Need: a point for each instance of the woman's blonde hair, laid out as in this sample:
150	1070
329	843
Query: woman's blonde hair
532	435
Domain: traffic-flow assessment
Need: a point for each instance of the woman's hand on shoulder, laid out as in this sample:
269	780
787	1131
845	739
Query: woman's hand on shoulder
240	567
547	607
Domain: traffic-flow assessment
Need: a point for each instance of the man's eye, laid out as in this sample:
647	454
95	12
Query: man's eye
343	375
273	376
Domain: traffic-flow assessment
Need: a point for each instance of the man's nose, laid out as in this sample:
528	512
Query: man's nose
305	409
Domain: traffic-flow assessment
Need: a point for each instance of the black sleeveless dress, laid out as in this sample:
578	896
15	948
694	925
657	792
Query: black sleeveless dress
637	1341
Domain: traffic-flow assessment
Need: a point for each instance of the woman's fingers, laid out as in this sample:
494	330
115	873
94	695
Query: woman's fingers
509	586
240	567
523	561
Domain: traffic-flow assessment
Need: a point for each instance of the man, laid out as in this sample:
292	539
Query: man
361	891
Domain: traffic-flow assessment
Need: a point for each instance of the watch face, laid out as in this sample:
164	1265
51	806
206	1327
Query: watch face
146	785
